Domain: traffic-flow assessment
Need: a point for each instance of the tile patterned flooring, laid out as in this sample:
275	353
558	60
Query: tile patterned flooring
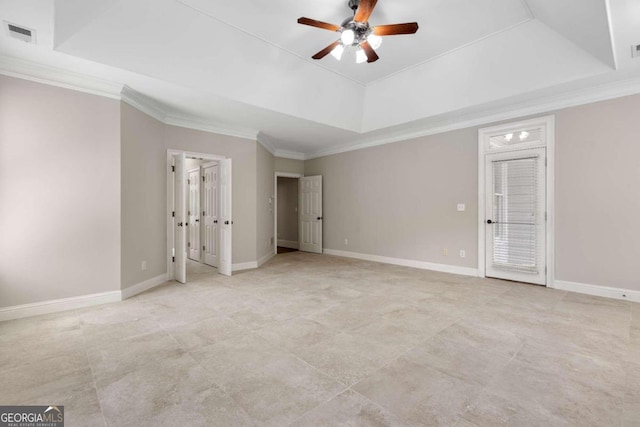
312	340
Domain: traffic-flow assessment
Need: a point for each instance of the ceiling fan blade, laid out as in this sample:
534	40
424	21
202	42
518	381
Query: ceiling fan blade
327	50
392	30
318	24
372	56
365	10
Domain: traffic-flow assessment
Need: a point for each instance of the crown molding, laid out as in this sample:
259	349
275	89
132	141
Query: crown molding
143	103
288	154
267	142
190	123
539	106
27	70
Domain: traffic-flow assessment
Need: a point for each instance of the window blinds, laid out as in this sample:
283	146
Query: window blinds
516	205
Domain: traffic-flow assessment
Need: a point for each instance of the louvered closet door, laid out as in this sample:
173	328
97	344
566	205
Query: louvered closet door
515	217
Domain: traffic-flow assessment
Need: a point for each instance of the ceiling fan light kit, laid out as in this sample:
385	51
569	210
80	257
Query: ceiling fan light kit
355	32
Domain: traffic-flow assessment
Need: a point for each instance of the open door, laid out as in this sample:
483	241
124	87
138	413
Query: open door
310	199
226	222
210	212
194	214
180	221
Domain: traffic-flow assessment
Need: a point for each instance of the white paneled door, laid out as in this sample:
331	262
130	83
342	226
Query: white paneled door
516	215
193	181
225	221
310	199
180	210
210	213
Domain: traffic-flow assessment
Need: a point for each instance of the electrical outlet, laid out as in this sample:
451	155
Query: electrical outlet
461	207
445	252
346	242
143	265
463	253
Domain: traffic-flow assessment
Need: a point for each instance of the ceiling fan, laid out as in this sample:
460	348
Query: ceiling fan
356	32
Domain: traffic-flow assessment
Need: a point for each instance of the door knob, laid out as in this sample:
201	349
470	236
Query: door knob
215	222
197	220
319	218
489	221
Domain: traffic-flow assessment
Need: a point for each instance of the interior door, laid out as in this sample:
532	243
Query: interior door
193	213
310	199
225	222
210	213
180	209
516	216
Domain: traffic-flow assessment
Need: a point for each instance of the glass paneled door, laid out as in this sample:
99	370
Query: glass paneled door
516	216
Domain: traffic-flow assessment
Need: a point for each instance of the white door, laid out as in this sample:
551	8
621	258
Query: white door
210	213
180	209
194	214
516	216
310	199
225	222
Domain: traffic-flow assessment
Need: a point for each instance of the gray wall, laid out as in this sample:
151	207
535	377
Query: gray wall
598	193
399	200
59	193
265	192
287	209
144	197
288	165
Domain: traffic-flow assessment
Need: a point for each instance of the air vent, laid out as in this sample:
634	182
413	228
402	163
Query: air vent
24	34
635	51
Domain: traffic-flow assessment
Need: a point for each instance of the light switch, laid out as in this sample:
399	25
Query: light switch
461	207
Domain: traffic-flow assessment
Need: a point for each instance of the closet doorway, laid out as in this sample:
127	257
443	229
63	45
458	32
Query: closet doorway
286	212
199	214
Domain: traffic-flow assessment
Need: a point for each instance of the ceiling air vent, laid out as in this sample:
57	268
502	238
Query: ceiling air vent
26	35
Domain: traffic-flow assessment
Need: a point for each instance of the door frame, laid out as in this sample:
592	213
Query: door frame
170	196
275	204
547	125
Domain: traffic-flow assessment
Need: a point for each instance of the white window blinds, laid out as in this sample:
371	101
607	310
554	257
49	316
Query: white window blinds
516	208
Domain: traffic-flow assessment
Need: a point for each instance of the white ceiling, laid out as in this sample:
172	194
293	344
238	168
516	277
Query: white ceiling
246	66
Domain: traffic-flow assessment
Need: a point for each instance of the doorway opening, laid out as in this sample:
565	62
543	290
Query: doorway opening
198	215
286	214
515	201
298	213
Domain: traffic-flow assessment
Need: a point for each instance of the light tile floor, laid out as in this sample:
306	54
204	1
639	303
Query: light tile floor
311	340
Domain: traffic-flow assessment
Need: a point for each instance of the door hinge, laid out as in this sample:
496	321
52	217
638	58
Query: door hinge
203	179
189	244
189	181
204	213
545	216
188	212
546	162
173	214
173	168
173	259
203	248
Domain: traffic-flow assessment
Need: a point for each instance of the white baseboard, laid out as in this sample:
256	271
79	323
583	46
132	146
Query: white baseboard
597	290
57	305
244	266
291	244
463	271
265	258
144	286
